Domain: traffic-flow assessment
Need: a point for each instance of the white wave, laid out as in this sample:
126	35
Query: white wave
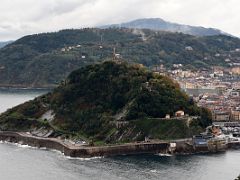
52	150
23	145
18	145
74	158
153	170
84	159
168	155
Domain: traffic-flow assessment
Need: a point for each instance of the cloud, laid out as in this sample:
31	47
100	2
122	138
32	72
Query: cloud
19	18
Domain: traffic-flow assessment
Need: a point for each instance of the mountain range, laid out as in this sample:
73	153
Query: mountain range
162	25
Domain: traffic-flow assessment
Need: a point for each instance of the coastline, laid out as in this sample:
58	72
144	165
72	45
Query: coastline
84	151
182	147
19	86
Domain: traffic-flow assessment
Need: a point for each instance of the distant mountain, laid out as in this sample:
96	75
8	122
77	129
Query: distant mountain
160	24
3	44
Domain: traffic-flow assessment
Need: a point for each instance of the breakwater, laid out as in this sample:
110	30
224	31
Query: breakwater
84	151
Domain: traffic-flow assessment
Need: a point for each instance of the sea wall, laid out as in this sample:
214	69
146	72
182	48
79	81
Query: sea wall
234	145
131	148
85	151
181	146
15	137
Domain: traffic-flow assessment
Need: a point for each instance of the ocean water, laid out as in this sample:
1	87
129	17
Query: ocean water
13	97
26	163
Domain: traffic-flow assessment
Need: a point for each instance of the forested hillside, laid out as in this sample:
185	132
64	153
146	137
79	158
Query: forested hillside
44	60
110	102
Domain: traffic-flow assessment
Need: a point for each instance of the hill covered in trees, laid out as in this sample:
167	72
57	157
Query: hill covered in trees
110	102
43	60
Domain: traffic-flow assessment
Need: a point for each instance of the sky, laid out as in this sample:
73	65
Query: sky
23	17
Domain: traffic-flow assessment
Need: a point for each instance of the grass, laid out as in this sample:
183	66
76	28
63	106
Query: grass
99	143
165	129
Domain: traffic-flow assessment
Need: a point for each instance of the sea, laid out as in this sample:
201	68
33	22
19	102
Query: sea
19	162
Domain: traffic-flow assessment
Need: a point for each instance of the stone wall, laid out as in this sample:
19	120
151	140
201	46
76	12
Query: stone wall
85	151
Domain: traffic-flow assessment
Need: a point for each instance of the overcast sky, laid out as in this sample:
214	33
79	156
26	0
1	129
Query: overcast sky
23	17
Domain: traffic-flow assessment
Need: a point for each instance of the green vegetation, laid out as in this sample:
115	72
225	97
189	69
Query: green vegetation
112	102
166	129
46	59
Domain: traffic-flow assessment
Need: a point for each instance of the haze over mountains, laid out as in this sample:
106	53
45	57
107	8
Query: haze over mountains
162	25
4	43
